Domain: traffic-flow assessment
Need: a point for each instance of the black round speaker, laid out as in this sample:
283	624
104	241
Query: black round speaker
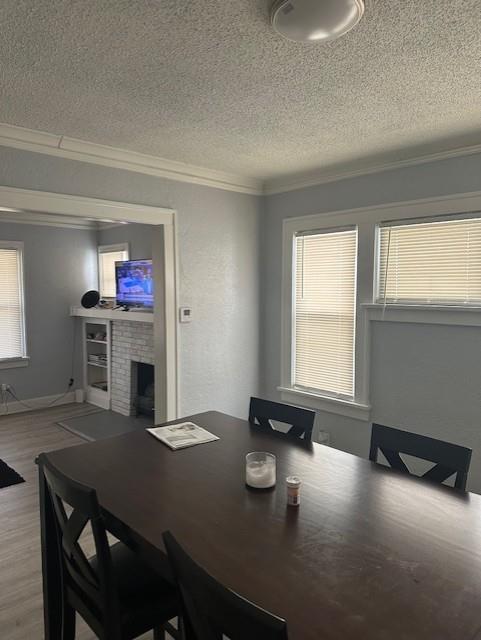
90	299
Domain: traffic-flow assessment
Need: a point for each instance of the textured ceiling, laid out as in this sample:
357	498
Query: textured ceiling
208	82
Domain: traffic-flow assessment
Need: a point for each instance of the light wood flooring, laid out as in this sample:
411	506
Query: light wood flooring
22	437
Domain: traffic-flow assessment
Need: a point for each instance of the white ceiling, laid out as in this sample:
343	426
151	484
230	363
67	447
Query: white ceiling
207	82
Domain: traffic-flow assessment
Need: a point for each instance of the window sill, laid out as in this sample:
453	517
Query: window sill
14	363
465	315
348	408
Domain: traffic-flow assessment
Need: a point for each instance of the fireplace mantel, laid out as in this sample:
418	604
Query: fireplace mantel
113	314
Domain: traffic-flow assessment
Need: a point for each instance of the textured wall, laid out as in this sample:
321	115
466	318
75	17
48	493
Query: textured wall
60	265
218	239
427	378
139	237
423	377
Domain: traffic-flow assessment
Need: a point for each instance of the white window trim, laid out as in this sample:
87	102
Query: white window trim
358	407
110	248
14	363
367	219
457	315
23	360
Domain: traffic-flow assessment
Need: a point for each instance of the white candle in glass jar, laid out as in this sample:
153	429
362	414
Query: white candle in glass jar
260	470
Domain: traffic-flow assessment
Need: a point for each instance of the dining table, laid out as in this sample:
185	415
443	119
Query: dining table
368	554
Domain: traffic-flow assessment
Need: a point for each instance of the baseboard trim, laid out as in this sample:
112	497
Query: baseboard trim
41	402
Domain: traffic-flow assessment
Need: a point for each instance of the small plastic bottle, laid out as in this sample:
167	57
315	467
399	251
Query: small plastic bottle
293	491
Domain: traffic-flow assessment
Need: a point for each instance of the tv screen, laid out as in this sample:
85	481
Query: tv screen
134	283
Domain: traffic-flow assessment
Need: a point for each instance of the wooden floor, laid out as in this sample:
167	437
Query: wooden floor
22	437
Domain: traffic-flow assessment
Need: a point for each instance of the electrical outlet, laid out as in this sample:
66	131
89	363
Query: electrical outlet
324	437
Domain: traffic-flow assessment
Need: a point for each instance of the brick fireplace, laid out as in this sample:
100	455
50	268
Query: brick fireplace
132	343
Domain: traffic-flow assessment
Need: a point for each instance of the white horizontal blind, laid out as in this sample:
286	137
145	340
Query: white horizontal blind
431	262
107	260
324	317
12	325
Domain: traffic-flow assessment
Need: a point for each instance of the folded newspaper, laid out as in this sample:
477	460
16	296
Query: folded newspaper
185	434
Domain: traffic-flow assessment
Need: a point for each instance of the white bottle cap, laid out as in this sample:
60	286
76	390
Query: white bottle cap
293	481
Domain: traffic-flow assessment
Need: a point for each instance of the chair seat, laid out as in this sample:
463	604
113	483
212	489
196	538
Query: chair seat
146	599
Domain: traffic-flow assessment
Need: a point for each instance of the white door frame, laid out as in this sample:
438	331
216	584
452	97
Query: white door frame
13	200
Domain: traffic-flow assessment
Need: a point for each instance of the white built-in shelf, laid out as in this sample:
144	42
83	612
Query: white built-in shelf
112	314
96	372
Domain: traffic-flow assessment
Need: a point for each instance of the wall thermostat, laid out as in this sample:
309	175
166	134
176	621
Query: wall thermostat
185	314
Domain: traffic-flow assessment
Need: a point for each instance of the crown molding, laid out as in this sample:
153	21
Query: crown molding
467	203
103	226
72	149
316	178
18	201
47	220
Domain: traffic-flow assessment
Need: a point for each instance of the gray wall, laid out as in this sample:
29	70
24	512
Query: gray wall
139	237
218	239
220	353
60	264
424	378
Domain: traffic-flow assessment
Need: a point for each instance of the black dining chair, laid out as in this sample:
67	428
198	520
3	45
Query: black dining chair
210	611
118	595
450	459
301	421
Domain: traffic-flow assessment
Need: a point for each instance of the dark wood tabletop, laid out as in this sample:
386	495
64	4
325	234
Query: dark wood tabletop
369	554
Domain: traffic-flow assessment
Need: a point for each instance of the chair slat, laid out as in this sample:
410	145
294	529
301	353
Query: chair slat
92	589
394	460
450	459
301	421
438	473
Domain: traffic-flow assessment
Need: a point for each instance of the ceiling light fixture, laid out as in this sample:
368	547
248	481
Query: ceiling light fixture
315	20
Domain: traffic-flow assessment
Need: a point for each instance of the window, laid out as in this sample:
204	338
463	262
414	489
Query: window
324	295
435	262
109	254
12	312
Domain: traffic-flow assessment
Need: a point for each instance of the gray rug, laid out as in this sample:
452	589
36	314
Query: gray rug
104	424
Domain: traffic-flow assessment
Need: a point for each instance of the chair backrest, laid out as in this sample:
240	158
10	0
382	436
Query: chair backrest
449	458
261	412
94	591
211	611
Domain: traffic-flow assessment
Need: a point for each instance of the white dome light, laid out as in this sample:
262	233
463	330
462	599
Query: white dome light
315	20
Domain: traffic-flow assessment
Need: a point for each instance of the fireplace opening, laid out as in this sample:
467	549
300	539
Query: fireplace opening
145	400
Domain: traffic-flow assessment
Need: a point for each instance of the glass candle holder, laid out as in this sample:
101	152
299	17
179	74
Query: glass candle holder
260	470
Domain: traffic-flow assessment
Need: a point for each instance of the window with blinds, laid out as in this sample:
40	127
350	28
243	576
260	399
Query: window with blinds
108	256
12	320
436	262
324	311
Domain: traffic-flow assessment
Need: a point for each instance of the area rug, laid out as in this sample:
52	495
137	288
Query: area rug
8	476
104	424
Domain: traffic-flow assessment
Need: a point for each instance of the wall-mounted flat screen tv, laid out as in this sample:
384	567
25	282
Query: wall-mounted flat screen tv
134	283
